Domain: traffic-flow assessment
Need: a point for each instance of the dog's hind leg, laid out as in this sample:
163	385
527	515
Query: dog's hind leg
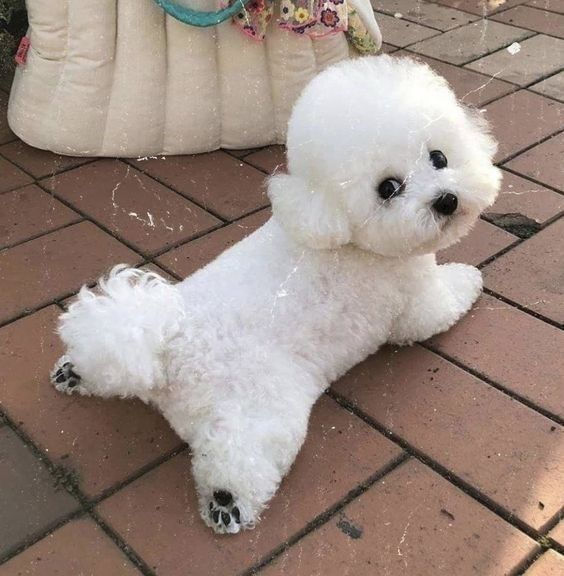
116	338
240	458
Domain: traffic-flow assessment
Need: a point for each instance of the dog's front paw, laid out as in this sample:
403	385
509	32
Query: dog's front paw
63	376
223	514
465	282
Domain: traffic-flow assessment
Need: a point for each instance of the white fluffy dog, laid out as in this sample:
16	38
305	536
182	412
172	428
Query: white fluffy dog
385	168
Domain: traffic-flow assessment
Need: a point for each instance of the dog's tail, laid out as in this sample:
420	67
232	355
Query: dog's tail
117	335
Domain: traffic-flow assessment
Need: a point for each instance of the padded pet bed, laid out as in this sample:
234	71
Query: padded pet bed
122	78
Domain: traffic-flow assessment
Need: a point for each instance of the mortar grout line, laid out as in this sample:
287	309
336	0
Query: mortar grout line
183	243
38	536
123	545
518	240
522	308
528	561
546	545
88	160
109	492
531	179
41	234
547	9
501	252
542	140
328	514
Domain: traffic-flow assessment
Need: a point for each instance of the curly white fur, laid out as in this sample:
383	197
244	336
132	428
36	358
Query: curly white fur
236	355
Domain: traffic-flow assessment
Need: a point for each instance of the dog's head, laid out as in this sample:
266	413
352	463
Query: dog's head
381	155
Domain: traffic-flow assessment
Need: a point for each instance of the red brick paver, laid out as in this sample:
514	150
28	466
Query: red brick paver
30	500
532	274
12	176
533	19
557	533
549	564
472	88
37	162
481	7
443	459
29	212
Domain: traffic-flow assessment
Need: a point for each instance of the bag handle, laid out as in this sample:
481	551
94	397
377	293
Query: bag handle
200	18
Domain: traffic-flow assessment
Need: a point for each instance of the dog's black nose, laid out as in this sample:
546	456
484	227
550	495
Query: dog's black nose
446	203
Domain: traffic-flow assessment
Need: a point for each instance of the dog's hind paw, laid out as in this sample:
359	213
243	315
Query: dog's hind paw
224	514
63	377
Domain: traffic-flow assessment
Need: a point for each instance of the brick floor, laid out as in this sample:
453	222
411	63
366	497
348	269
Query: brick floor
340	452
445	458
465	426
411	522
79	547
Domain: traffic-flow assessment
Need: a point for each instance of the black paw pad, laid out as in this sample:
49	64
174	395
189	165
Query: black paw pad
222	497
65	376
223	512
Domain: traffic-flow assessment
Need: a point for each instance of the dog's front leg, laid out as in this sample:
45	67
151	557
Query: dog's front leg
444	295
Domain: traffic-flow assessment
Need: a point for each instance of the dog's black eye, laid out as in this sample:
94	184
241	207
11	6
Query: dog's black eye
389	188
438	159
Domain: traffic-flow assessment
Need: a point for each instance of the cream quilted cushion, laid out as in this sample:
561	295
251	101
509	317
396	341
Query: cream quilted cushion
121	78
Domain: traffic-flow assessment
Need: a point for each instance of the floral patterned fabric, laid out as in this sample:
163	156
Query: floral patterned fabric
315	18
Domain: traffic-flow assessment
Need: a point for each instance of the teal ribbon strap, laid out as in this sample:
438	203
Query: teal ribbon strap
199	18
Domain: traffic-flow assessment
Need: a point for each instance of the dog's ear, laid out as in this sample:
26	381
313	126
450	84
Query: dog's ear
313	216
